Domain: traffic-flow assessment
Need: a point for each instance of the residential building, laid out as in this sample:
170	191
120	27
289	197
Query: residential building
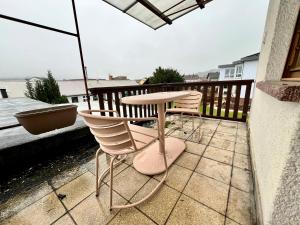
243	69
73	89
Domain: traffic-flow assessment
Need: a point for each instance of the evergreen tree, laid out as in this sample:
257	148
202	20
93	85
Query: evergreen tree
30	90
168	75
45	91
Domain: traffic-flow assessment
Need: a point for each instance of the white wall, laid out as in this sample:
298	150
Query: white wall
275	125
250	69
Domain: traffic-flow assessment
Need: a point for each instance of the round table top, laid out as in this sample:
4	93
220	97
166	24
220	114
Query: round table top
154	98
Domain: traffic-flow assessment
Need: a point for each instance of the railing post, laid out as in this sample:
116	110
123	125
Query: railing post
246	102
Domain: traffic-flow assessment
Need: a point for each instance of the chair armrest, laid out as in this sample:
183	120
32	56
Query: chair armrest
139	119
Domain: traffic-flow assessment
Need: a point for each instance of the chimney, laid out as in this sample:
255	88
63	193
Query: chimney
110	77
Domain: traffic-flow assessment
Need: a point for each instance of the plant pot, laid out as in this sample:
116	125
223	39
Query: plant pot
47	119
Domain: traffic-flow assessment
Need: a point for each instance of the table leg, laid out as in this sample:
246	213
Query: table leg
155	158
161	127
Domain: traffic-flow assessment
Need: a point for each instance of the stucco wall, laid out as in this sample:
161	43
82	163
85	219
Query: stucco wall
274	125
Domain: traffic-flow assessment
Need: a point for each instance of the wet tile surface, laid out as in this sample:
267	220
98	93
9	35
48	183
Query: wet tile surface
190	212
160	205
208	191
214	169
44	211
239	207
188	160
219	155
210	183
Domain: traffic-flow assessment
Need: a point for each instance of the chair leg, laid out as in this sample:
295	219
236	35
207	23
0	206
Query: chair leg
111	166
149	195
97	171
104	173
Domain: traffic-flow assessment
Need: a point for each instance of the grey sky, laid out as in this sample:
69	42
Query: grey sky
115	43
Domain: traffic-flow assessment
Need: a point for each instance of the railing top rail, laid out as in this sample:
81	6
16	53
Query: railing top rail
137	87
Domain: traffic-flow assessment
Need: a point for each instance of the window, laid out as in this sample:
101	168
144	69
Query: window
84	98
74	99
95	97
292	66
239	71
232	72
229	72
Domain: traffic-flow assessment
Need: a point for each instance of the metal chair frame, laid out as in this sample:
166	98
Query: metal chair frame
189	104
98	122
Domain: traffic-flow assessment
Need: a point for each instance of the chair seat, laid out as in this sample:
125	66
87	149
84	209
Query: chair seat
142	136
183	110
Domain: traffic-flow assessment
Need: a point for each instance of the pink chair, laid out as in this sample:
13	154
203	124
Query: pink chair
188	105
118	138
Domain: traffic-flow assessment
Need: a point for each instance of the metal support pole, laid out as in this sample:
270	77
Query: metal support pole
81	55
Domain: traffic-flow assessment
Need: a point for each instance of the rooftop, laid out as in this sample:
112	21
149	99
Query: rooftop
252	57
210	183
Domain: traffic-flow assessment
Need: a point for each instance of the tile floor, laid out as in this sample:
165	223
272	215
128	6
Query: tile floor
209	184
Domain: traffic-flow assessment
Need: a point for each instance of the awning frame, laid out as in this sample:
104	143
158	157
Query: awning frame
77	34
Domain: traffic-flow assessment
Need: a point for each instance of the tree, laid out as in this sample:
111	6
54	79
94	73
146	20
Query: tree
168	75
30	90
46	90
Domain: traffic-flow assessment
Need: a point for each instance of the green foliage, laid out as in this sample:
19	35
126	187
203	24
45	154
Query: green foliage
168	75
45	91
30	90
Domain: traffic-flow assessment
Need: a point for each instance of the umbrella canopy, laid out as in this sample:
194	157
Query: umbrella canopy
157	13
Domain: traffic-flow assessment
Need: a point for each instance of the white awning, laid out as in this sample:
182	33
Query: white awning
157	13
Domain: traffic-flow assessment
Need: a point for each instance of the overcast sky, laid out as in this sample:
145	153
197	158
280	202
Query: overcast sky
114	43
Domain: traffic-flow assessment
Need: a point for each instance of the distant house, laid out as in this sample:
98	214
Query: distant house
211	75
243	69
73	89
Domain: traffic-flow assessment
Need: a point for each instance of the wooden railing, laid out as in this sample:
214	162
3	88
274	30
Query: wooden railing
228	100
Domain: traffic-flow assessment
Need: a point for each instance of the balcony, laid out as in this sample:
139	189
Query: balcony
210	183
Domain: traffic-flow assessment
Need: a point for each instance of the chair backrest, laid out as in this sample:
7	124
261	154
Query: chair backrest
112	133
190	102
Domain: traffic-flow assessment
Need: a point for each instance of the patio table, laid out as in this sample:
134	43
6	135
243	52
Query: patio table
151	160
